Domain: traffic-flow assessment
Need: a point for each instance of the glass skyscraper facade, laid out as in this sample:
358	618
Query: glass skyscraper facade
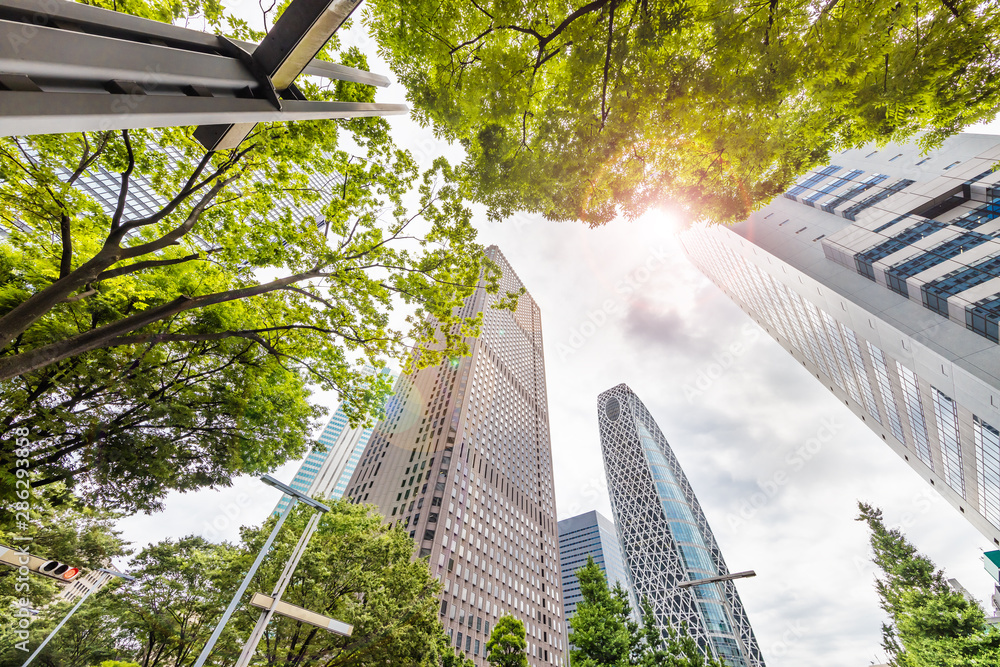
880	273
589	534
665	537
328	467
463	462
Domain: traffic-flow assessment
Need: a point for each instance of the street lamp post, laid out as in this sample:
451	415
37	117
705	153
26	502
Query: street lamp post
97	584
279	589
295	497
718	581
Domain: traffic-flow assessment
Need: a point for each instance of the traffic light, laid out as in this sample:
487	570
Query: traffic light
28	563
57	570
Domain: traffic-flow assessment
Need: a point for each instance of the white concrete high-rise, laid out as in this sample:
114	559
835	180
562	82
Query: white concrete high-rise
880	273
464	463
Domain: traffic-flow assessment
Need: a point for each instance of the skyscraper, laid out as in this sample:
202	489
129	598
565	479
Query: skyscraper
328	467
464	463
665	536
589	534
880	273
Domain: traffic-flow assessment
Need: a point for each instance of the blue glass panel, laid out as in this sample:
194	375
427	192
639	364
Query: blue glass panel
677	511
669	491
865	260
686	532
983	318
935	293
812	180
706	592
715	617
869	182
697	558
852	212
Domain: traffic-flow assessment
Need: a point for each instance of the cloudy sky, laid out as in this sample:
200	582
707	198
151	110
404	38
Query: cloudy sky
778	462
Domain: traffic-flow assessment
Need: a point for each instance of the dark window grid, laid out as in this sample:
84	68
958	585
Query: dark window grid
889	224
859	370
864	185
885	386
946	415
987	441
934	295
865	260
807	184
835	184
983	318
852	212
897	275
982	175
979	216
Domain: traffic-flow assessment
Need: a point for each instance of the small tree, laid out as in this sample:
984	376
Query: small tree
170	610
679	649
930	624
602	631
508	645
452	657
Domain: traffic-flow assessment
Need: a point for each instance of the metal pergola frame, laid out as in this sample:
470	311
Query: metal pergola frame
69	67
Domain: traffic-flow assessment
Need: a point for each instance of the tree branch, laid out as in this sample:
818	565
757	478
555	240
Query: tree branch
66	234
26	313
148	264
123	189
607	66
14	365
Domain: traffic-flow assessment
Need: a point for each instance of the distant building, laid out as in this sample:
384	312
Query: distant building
956	585
76	588
329	466
665	537
590	534
991	563
880	274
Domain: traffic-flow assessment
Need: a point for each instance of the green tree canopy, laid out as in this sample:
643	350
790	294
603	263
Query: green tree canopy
604	634
58	527
167	614
356	569
172	346
508	644
587	110
602	631
929	623
88	638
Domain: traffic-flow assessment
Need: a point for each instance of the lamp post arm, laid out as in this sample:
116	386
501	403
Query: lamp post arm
243	586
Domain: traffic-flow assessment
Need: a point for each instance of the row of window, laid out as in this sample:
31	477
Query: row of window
752	292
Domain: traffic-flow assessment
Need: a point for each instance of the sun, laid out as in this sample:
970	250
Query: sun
661	223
